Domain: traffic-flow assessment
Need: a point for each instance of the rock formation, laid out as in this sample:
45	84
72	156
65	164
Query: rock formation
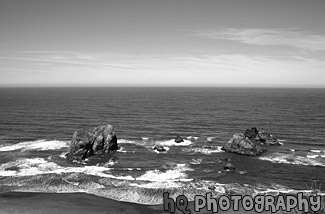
159	148
86	143
179	139
229	166
250	143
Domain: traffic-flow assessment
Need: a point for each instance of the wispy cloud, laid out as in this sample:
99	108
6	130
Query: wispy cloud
275	37
183	69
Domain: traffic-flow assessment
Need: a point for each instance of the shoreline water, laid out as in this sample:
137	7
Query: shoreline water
70	203
83	203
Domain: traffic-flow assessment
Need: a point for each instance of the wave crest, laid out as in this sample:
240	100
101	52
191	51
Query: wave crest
38	145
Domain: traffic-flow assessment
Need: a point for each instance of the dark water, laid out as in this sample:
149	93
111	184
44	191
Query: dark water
37	123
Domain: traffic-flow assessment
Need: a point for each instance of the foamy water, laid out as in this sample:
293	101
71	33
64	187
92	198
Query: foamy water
178	173
38	145
309	160
206	151
38	166
210	138
173	143
192	138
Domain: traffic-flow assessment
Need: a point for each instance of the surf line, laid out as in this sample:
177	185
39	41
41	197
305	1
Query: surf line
259	203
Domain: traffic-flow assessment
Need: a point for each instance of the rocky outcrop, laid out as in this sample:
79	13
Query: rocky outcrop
229	166
179	139
86	143
159	148
252	142
241	145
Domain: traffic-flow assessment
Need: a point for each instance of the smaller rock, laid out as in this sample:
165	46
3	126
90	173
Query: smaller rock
211	187
229	166
179	139
159	148
266	138
224	160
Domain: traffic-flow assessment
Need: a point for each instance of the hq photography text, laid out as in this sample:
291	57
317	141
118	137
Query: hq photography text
259	203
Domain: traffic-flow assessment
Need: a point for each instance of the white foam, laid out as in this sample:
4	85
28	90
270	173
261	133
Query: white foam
157	185
196	161
124	141
28	166
144	143
293	159
192	138
109	163
149	144
121	149
206	151
37	166
175	174
210	138
312	156
316	151
173	143
130	169
145	138
277	189
38	145
63	154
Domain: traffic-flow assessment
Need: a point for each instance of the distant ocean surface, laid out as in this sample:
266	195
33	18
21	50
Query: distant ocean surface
36	126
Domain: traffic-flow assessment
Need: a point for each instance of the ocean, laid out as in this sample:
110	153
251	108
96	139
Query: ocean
37	124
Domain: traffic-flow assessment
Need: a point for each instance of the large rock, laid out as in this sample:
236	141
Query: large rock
252	142
86	143
242	145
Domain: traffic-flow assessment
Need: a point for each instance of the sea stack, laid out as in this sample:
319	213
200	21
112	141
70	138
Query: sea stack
179	139
159	148
86	143
252	142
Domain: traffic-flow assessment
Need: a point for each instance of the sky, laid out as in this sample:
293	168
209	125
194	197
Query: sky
204	43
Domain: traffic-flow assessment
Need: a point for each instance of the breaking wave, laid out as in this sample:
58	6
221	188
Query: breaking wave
150	143
192	138
308	160
38	145
39	166
173	143
177	173
204	150
210	139
136	191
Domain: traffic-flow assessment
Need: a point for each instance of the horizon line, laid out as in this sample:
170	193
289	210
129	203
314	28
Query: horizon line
165	86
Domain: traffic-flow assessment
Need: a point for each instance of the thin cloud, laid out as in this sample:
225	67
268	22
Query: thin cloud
275	37
51	58
183	69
